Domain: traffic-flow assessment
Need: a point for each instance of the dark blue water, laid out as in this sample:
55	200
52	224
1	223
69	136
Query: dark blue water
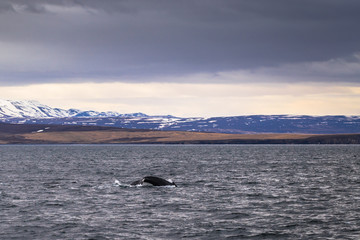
224	192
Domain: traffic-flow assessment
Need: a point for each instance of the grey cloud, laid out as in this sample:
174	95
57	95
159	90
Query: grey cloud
137	39
334	70
6	7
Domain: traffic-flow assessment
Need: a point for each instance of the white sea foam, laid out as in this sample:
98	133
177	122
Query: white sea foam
117	182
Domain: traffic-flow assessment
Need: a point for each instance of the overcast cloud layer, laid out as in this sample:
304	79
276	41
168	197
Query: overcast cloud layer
139	41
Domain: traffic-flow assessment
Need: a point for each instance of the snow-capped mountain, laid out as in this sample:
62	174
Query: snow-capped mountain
32	112
36	110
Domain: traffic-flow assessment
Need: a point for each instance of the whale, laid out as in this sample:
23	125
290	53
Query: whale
154	181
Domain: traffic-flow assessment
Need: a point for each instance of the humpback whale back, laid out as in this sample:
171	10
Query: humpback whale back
155	181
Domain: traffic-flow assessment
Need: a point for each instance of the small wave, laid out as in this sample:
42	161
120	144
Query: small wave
117	183
169	186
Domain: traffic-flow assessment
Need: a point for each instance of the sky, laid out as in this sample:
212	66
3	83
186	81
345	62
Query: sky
188	58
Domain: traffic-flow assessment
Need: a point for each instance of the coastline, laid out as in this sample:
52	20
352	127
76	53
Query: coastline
61	134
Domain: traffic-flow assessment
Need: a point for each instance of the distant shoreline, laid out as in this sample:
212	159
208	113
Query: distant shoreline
65	134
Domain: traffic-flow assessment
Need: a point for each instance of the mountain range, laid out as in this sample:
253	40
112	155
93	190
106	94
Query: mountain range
34	109
33	112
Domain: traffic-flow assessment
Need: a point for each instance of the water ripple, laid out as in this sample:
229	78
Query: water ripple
224	192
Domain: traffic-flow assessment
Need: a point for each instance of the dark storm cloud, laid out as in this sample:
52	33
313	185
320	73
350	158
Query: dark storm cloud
52	39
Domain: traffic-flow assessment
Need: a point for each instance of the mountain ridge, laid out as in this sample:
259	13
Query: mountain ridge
35	109
32	112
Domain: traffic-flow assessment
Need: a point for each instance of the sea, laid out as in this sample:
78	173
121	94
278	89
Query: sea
223	192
